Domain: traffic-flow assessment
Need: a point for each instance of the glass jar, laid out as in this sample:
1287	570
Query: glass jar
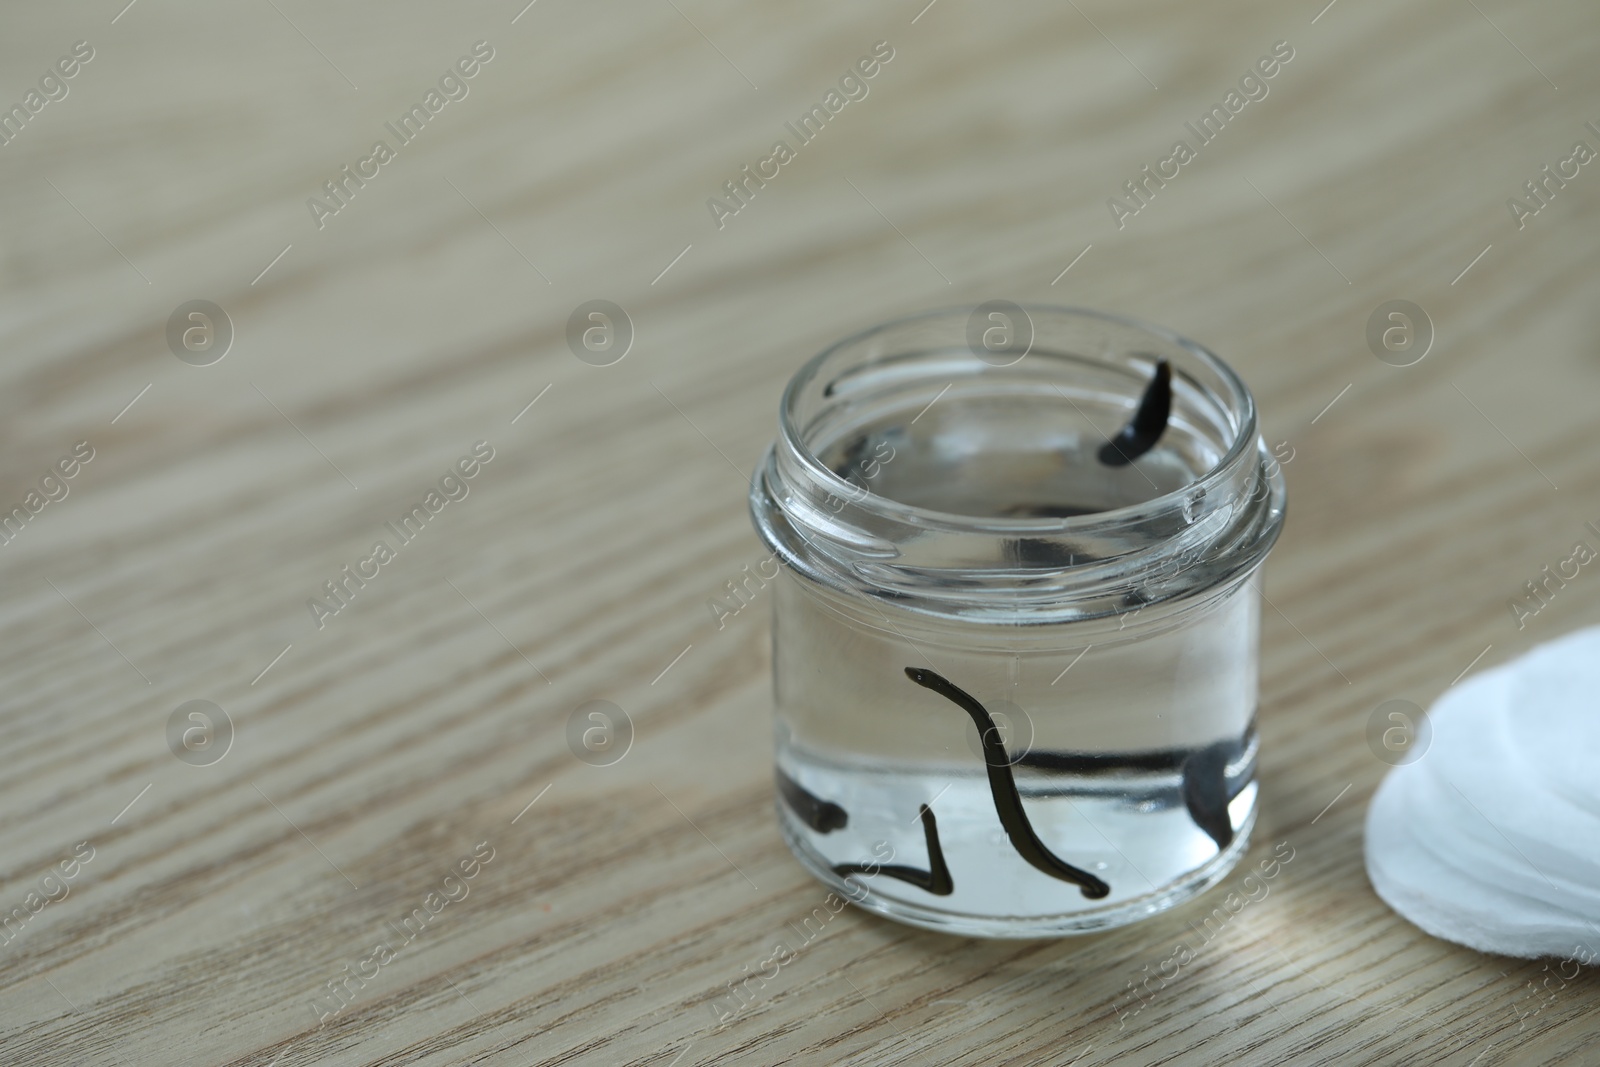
1015	640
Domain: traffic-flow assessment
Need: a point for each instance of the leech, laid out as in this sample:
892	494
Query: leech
1161	759
1168	759
1007	801
1147	424
936	879
1205	790
823	816
1205	787
1039	552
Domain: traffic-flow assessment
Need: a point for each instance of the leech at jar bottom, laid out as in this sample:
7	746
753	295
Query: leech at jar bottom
1015	633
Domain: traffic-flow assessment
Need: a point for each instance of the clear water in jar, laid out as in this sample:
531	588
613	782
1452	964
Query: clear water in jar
1129	741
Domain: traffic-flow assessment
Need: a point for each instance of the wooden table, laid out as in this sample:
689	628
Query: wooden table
424	725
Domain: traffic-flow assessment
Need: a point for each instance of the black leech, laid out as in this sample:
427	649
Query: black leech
1007	801
1205	790
935	880
1039	552
1147	424
823	816
1170	759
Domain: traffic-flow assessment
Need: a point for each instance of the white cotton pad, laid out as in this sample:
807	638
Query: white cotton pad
1558	717
1492	838
1498	801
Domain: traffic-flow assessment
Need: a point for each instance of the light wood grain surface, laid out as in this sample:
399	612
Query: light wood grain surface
372	756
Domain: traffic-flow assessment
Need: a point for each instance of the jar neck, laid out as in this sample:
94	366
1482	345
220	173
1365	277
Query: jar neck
1188	534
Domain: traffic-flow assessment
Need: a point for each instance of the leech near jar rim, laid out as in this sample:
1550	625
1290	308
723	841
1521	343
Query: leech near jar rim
1178	543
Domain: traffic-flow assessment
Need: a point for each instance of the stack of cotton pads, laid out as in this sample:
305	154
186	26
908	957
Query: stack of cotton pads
1492	838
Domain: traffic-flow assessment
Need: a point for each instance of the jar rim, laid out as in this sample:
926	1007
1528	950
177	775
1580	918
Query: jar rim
1241	404
1174	546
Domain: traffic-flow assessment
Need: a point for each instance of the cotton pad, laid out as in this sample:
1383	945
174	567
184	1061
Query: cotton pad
1491	839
